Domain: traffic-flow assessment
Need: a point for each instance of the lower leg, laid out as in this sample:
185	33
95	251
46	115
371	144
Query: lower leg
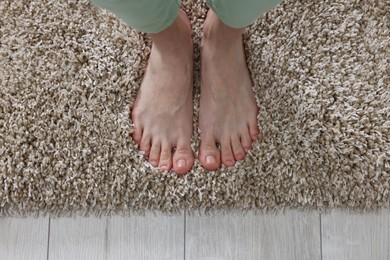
240	14
148	16
218	33
174	38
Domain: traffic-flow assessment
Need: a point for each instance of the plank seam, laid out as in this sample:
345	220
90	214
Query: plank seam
48	241
185	228
321	236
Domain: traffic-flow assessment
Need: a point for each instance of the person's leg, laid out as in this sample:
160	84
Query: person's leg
240	14
228	110
148	16
163	110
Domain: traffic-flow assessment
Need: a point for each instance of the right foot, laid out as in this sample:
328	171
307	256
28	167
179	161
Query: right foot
163	110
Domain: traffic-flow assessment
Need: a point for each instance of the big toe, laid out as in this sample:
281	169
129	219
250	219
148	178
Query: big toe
209	155
183	159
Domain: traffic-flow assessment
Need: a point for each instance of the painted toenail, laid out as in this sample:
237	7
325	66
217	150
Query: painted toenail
181	163
210	159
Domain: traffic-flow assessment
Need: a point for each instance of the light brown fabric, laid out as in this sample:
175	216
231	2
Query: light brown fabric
69	73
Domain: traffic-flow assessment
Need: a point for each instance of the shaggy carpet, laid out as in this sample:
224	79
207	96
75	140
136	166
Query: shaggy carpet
70	72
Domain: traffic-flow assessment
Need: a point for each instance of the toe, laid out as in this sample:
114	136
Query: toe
145	144
238	151
209	155
155	151
183	159
246	140
254	130
137	135
227	154
165	163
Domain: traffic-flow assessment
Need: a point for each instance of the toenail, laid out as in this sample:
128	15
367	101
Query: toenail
229	163
246	149
181	163
240	155
210	159
163	167
153	162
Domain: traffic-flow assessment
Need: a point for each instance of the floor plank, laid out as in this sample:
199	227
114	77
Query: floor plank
292	235
153	236
77	237
356	236
24	238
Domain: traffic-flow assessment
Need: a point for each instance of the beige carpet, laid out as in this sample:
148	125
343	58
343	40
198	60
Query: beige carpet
69	73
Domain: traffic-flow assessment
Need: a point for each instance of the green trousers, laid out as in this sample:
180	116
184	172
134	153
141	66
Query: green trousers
153	16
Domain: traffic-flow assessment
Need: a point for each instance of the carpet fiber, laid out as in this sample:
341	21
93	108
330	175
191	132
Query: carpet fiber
70	72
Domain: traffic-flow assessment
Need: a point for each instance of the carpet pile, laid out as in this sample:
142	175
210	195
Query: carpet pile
70	72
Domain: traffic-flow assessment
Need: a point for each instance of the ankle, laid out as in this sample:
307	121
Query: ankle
218	34
176	37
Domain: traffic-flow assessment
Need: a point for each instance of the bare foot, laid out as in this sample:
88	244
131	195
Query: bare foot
163	110
228	110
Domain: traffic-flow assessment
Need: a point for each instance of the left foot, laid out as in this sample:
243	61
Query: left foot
162	112
228	110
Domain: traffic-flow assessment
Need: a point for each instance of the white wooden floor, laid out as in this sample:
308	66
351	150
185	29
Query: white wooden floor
292	235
